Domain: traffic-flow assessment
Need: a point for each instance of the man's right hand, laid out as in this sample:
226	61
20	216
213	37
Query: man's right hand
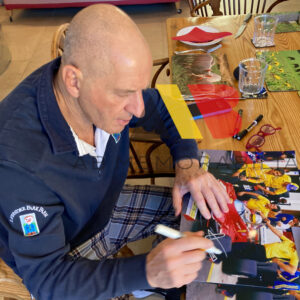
174	263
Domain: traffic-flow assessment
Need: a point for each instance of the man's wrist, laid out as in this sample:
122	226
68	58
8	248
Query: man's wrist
187	163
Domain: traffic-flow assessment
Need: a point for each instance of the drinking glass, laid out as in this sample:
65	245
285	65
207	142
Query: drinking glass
264	30
252	73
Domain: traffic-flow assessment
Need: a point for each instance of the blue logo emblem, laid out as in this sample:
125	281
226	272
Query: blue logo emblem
116	136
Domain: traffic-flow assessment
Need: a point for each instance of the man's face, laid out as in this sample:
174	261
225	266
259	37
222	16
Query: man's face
272	206
109	102
275	172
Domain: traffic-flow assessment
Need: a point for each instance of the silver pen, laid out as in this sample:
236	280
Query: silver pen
175	234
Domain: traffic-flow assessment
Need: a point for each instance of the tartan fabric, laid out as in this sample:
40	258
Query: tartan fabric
138	210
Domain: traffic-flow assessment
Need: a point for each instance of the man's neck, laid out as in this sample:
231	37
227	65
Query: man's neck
71	111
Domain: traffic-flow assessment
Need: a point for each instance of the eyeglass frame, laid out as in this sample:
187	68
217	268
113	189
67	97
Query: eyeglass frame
262	135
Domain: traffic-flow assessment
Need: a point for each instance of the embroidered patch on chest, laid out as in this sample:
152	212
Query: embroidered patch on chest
29	224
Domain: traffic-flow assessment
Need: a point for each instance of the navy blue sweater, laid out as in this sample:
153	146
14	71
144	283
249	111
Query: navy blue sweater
41	173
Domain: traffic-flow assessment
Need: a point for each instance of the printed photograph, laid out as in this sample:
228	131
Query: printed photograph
260	235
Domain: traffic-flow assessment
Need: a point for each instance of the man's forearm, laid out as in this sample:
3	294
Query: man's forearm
288	268
274	230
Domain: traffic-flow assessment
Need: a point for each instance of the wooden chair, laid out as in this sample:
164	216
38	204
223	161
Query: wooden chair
140	139
11	286
139	136
58	39
204	8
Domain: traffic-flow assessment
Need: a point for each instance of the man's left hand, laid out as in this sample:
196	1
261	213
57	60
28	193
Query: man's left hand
205	189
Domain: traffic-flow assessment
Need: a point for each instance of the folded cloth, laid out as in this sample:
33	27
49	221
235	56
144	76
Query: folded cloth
198	35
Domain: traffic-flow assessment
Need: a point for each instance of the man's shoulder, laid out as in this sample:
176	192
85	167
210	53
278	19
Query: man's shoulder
19	112
262	198
21	132
21	100
286	239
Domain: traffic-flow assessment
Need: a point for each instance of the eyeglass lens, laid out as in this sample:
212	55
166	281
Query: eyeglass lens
267	129
256	140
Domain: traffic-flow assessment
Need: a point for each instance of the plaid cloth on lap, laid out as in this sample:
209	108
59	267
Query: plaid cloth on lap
138	210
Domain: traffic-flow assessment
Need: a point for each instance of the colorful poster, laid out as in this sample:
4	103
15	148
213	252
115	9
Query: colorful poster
260	235
189	69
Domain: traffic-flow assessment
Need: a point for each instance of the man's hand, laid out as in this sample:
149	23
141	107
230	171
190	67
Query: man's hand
174	263
203	186
268	222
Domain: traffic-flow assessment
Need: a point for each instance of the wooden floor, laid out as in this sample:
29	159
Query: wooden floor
32	30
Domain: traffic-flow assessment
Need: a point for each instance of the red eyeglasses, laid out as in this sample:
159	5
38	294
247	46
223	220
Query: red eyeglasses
258	139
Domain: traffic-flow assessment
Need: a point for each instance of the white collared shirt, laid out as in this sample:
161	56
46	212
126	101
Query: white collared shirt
84	148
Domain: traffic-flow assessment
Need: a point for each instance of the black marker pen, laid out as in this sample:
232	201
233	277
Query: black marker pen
242	133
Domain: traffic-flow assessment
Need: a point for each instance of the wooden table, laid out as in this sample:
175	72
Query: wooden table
281	109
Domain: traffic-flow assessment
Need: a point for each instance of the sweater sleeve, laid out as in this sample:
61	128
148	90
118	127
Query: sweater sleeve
158	119
32	217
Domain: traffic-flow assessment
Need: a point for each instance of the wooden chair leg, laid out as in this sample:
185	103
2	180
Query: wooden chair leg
11	15
132	170
148	159
136	158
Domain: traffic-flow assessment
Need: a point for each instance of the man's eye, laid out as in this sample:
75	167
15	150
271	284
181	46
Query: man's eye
123	94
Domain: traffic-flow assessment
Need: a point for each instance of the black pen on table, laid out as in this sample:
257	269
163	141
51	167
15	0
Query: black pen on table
237	123
241	134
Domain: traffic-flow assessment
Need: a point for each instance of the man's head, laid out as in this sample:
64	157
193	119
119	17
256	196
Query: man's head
274	207
105	66
295	222
277	172
282	201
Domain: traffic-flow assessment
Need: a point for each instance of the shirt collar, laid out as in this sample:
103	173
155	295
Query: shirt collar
58	130
55	125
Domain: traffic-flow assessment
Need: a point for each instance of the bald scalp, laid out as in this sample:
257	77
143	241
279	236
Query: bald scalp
96	35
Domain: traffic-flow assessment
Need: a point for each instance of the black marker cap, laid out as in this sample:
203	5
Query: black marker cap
241	134
259	118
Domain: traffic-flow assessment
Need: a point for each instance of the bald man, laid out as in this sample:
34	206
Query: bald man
64	157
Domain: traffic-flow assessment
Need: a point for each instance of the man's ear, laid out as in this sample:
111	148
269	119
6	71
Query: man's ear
72	78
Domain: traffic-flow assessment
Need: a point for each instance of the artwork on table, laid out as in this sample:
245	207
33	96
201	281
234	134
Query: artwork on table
197	68
262	224
206	85
179	111
287	21
283	73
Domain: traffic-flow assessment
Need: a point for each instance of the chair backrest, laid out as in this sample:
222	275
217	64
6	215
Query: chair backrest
57	45
205	8
11	286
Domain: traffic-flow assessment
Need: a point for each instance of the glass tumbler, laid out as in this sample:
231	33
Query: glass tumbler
252	73
264	30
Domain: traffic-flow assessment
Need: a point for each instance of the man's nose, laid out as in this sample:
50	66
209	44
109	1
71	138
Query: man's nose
136	106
